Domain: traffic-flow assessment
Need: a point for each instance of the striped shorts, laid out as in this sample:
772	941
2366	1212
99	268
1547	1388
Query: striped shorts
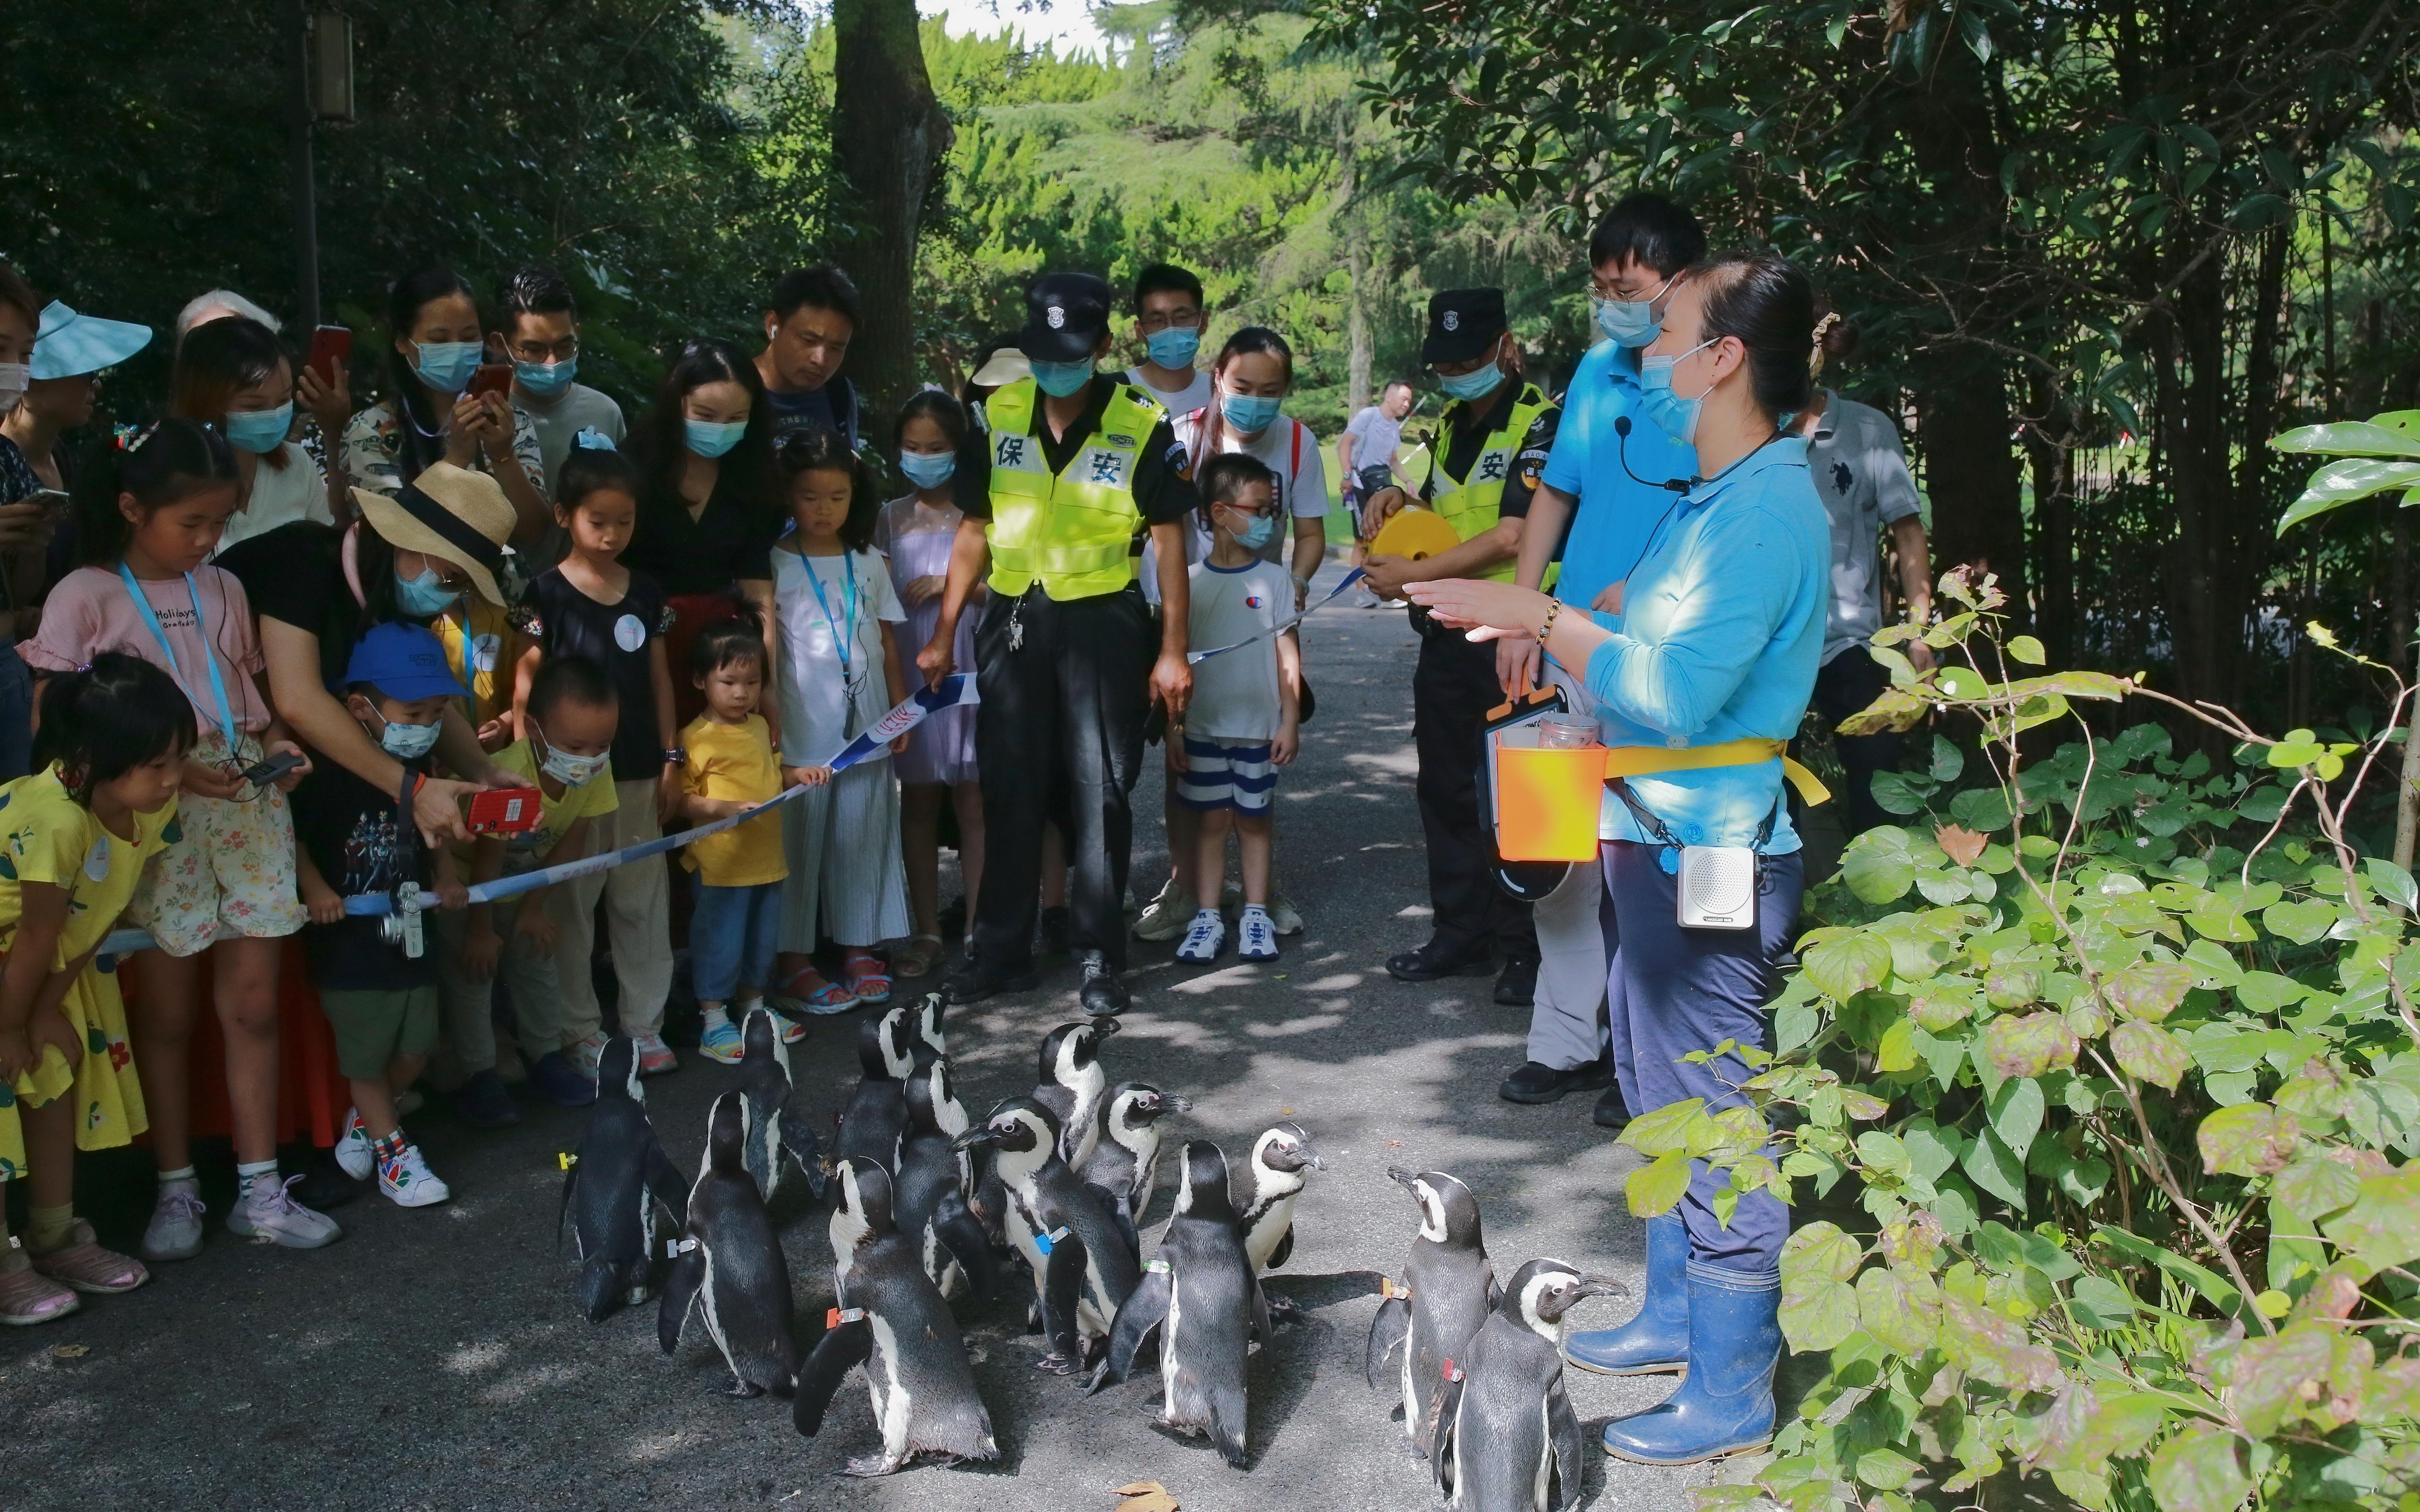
1226	775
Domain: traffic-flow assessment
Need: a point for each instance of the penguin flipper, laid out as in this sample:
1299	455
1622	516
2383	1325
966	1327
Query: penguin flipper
799	1138
1145	1310
562	1211
1387	1331
959	1230
1063	1283
1263	1327
1116	1209
664	1180
1285	1247
680	1291
1565	1425
840	1349
1444	1410
601	1289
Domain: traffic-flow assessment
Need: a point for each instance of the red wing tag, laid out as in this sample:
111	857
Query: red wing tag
1451	1371
834	1316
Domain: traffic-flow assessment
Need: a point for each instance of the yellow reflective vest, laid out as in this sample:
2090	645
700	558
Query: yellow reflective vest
1074	531
1469	503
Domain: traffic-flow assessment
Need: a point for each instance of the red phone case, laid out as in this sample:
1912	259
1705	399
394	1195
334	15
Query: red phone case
505	812
330	346
492	377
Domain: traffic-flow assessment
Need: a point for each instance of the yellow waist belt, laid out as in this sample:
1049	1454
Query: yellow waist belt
1649	761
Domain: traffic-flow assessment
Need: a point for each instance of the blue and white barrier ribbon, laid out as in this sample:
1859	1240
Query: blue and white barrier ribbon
1281	628
956	690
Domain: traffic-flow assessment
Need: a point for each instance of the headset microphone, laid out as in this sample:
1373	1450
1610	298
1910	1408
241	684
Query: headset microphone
1621	432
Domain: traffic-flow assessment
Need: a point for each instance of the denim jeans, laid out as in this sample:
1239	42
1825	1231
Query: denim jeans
16	718
731	936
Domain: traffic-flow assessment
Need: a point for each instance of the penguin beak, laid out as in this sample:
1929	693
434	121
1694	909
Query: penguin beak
1313	1159
1400	1177
1174	1103
973	1137
1600	1286
1104	1028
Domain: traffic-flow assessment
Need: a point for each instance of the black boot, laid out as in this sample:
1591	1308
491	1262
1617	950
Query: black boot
1517	986
1612	1111
1537	1082
979	980
1441	958
1103	996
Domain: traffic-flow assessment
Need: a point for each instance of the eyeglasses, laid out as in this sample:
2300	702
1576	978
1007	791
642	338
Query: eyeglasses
539	351
1161	320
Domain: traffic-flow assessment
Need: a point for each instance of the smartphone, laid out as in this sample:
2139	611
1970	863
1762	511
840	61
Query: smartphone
261	774
51	500
492	377
505	812
331	346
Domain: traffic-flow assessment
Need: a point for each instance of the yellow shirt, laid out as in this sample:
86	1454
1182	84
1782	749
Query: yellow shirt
46	836
481	656
735	760
555	815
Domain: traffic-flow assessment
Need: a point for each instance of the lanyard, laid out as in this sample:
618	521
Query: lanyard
201	633
843	640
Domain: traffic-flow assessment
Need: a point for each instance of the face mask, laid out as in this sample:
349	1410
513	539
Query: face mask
447	365
1257	534
1248	413
423	597
710	439
928	470
1060	380
260	431
569	770
544	380
1472	386
1174	347
408	742
1630	322
14	379
1678	416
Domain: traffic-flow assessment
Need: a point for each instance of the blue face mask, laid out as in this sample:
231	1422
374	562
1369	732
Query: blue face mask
423	597
1257	534
1630	322
1468	387
544	380
447	365
1678	416
408	742
1248	413
1174	347
1060	380
260	431
928	470
709	439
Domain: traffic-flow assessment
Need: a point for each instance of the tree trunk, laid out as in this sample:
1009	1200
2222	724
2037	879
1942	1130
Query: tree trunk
889	137
2050	449
1970	469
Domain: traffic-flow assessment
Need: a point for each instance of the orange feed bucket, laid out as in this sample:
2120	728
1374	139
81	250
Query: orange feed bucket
1547	801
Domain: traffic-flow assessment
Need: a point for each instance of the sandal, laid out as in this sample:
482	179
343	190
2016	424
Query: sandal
26	1295
922	954
822	1000
81	1263
869	979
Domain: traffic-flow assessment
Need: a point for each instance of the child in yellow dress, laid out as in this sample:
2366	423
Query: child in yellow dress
73	840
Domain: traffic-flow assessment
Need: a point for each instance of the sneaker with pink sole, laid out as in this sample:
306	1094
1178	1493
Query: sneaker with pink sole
655	1056
81	1264
26	1295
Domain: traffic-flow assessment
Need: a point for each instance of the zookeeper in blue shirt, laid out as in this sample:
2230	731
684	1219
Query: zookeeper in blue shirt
1604	491
1714	641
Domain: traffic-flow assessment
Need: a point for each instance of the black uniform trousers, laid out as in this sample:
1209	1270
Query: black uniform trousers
1847	685
1452	688
1059	739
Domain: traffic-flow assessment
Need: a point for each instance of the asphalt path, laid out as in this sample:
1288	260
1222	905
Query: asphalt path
435	1358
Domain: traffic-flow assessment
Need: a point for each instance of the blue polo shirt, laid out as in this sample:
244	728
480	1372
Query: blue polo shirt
1615	514
1720	635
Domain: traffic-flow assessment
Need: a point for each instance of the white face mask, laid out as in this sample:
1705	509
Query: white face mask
570	770
15	379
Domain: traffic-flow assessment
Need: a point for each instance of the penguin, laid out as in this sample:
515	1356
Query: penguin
929	1198
1125	1161
878	1112
730	1264
1082	1250
1507	1439
1264	1194
891	1318
1451	1290
779	1137
930	1043
1200	1294
613	1187
1072	1084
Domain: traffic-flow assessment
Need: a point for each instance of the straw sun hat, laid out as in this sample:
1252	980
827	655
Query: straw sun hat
449	513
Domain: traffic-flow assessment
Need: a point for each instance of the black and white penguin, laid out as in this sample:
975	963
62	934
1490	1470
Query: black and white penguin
1125	1161
1081	1248
1200	1295
1265	1193
729	1264
878	1111
615	1187
1449	1290
1073	1083
892	1319
931	1043
779	1137
936	1178
1507	1439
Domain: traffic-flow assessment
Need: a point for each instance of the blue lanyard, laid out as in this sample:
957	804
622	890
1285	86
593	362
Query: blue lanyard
842	640
201	633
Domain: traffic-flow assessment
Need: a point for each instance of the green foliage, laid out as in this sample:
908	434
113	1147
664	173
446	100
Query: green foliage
2105	1073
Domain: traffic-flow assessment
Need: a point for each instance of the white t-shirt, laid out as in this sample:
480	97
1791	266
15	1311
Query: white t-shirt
1286	448
815	701
280	496
1236	697
1182	401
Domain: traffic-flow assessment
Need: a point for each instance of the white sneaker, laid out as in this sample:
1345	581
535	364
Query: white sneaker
1167	915
1282	911
407	1181
175	1231
1256	936
655	1056
1203	937
267	1214
586	1053
353	1151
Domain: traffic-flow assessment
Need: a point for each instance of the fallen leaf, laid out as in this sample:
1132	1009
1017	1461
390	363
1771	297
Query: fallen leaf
71	1351
1959	843
1145	1496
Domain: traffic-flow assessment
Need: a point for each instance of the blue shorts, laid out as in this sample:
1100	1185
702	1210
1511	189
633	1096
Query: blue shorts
1226	775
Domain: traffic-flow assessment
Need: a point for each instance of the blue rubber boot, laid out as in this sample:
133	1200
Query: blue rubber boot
1658	1337
1726	1405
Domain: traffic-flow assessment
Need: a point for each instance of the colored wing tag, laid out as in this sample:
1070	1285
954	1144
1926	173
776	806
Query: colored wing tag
1046	1242
1393	1289
1156	1265
834	1316
676	1247
565	1161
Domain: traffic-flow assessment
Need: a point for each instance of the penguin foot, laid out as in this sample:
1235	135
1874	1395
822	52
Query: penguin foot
1285	1311
871	1466
742	1389
1058	1365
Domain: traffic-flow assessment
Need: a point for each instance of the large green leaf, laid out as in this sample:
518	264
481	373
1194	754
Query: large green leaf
1821	1247
2200	1470
1847	965
2248	1139
2151	1053
1658	1185
2339	483
1879	865
1817	1310
2148	989
2383	1226
2017	1113
2347	437
1902	1308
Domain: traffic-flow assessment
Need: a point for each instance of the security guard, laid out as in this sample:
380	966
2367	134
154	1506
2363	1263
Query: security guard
1498	428
1058	483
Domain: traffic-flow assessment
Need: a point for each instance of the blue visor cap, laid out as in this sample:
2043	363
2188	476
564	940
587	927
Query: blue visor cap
70	345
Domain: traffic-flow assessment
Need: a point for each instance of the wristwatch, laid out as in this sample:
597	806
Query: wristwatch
677	756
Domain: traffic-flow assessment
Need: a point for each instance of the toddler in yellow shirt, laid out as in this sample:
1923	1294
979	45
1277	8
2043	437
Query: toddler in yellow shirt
732	767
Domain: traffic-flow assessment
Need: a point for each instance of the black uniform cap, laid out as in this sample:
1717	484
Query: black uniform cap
1464	324
1066	315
